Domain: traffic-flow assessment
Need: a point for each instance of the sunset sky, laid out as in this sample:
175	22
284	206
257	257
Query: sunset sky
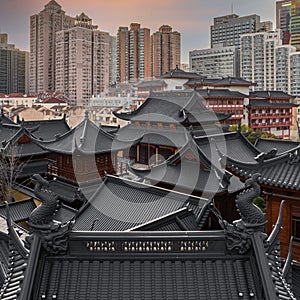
192	18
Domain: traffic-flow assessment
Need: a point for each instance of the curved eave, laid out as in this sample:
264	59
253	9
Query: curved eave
123	116
144	118
77	149
249	144
275	160
53	146
225	116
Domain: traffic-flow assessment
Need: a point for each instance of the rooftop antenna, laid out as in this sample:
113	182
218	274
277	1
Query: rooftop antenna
232	8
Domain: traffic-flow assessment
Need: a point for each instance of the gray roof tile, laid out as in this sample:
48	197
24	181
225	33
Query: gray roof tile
19	210
174	107
265	145
86	137
233	144
121	204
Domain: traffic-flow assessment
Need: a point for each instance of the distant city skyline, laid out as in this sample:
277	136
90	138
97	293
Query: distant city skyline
192	20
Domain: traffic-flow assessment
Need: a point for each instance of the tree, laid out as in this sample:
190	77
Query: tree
10	169
244	128
252	135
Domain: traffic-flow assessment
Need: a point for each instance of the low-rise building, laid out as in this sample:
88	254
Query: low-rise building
111	101
272	111
17	99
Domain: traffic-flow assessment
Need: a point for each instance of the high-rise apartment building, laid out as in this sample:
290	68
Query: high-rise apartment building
43	28
226	30
268	63
122	54
13	68
283	67
258	58
82	61
133	53
283	18
288	20
113	60
166	50
215	62
295	73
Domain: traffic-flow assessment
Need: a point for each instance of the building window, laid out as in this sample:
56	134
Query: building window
296	228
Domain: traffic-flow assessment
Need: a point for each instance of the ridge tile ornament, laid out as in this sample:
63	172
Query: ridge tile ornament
54	235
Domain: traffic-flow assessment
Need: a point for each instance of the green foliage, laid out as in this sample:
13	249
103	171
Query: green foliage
252	135
244	128
261	203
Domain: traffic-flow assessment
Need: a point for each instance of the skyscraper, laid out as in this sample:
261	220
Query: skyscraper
258	58
82	61
226	30
43	27
13	68
133	53
166	50
113	60
288	20
122	54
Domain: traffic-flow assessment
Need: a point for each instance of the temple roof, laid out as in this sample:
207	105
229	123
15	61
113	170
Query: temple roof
120	204
46	129
233	144
19	210
86	137
18	259
229	81
7	131
190	171
151	83
5	120
238	261
265	145
280	171
215	93
18	141
184	219
148	277
174	107
266	103
158	265
244	159
179	74
110	128
269	95
154	136
296	279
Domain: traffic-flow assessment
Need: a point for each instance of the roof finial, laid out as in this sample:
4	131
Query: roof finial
86	115
289	259
277	228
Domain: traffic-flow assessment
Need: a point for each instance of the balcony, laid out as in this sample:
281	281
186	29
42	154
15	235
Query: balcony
265	115
270	124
